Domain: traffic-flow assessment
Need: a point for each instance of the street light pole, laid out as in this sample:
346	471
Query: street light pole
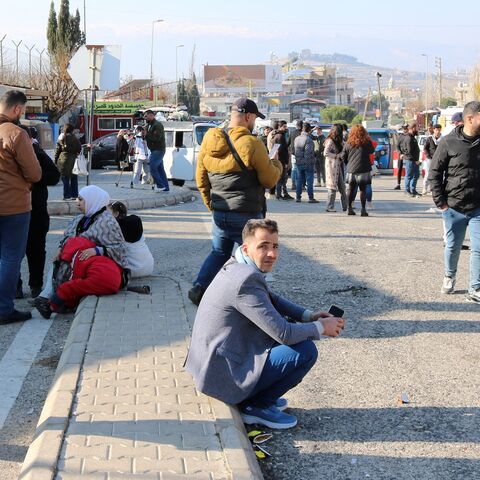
426	80
379	75
151	49
176	73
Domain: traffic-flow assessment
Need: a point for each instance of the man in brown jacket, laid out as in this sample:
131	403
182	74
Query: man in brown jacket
234	192
19	168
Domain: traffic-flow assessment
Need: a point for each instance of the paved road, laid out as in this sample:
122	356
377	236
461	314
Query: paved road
402	337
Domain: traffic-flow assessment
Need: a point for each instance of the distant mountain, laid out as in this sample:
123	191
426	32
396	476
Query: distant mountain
364	75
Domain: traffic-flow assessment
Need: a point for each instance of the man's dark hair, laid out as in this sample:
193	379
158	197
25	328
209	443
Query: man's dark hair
68	128
282	123
276	125
437	125
254	224
471	108
149	111
299	124
13	98
307	127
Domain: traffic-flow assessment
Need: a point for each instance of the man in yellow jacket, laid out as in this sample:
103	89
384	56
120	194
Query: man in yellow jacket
233	189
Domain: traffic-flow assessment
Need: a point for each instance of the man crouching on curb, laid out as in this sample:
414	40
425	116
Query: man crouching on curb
247	348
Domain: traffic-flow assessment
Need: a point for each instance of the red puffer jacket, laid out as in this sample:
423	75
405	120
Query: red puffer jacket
98	275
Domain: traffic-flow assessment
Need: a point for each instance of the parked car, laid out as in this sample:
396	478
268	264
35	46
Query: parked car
103	151
182	142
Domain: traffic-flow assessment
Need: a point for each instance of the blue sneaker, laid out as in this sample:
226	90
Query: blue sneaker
270	417
281	403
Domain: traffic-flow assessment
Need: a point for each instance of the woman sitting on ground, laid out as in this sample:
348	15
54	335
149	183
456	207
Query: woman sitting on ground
139	257
97	224
356	154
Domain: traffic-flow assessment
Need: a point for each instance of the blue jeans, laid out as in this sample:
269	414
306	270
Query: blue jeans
456	224
70	186
412	172
13	243
302	174
226	231
284	369
157	170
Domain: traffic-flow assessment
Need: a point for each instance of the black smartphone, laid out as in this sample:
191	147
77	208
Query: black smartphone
336	311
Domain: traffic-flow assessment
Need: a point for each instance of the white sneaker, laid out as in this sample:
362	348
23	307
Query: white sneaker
474	297
448	284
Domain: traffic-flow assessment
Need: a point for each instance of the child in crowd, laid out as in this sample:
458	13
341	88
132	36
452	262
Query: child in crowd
139	257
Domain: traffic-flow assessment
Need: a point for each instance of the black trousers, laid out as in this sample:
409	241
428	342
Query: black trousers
399	172
37	234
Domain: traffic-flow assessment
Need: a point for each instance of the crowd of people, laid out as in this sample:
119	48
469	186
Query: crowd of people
100	250
249	345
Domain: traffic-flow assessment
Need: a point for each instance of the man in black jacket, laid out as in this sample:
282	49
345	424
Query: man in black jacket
411	160
431	144
284	157
400	139
39	218
291	146
455	181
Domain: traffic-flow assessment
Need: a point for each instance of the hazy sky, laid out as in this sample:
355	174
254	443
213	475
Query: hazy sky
391	34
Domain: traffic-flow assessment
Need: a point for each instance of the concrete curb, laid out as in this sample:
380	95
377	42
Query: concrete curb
42	457
230	429
178	195
41	460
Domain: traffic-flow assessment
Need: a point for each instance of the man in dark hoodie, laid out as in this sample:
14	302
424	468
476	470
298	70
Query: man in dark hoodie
39	218
455	181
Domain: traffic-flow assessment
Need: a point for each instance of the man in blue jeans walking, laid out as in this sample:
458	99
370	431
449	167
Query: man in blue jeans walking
19	168
233	170
155	138
455	182
249	345
411	160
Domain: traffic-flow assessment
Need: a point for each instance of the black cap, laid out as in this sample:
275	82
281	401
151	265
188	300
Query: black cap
245	105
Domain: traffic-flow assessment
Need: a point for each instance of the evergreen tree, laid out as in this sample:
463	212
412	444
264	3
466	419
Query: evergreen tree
76	36
63	31
193	96
52	30
182	93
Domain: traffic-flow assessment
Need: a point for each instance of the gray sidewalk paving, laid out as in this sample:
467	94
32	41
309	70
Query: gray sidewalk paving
137	198
121	405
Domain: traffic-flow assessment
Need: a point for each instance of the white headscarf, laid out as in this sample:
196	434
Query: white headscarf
95	199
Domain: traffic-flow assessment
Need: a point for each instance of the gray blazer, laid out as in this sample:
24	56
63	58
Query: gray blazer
238	321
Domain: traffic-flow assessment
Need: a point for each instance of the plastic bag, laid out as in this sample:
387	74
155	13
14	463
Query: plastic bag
80	167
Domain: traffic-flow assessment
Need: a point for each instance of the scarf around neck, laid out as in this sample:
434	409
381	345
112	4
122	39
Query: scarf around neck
245	259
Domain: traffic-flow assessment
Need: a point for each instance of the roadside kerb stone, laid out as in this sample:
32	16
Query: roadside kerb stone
114	347
42	456
230	428
145	199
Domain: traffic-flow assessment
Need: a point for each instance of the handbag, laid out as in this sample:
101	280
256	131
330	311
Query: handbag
374	170
81	166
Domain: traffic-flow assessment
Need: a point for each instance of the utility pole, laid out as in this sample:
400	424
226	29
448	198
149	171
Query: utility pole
16	59
1	57
30	61
379	75
438	64
366	103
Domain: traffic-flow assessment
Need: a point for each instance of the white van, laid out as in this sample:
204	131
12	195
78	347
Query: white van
182	143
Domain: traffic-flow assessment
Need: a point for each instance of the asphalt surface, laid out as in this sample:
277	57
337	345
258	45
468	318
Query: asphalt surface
402	337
